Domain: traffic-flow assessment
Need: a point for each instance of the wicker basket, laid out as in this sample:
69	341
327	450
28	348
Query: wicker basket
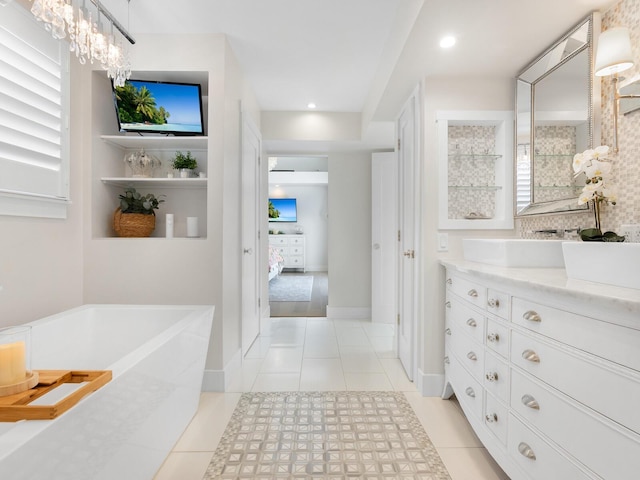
133	224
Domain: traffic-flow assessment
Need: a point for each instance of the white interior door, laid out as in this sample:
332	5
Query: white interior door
408	157
384	228
251	151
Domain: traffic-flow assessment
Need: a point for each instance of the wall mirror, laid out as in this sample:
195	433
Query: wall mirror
555	119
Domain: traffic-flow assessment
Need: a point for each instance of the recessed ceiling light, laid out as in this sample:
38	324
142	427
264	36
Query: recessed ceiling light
311	105
448	41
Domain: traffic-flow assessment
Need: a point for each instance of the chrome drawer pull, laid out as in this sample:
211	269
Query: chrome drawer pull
492	376
447	304
469	391
446	360
449	281
472	356
532	316
471	322
529	401
448	331
531	356
472	293
494	303
492	417
526	451
493	337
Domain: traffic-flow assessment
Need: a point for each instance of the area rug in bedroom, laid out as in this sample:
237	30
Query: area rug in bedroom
291	288
325	435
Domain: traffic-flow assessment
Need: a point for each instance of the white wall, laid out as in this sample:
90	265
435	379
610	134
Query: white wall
41	259
312	206
183	271
349	231
447	94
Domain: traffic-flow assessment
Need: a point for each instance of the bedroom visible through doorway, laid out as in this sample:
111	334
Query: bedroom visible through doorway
298	226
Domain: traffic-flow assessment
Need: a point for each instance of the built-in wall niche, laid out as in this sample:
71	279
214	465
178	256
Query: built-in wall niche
475	174
184	197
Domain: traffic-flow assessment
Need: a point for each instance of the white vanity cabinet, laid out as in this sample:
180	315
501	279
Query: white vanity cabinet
549	374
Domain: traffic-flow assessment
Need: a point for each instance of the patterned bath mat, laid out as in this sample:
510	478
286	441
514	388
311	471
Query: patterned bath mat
325	435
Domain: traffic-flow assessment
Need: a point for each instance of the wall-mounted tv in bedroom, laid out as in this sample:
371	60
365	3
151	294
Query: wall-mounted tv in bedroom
283	210
146	106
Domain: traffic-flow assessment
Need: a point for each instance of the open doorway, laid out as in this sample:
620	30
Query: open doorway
298	253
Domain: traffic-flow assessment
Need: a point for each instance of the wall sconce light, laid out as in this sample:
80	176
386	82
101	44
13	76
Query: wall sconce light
614	56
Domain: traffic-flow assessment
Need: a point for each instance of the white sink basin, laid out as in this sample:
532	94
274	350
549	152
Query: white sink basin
514	252
611	263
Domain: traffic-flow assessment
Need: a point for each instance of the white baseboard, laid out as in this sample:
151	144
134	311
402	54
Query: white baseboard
348	312
218	380
430	384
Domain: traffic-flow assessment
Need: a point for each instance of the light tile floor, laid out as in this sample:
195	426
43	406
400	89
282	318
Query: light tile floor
318	354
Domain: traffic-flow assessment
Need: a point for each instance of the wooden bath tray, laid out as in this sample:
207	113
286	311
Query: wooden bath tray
16	407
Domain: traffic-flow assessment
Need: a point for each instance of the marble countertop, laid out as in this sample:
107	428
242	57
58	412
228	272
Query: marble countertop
552	281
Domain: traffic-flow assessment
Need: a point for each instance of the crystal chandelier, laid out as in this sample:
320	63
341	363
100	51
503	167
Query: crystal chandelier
88	37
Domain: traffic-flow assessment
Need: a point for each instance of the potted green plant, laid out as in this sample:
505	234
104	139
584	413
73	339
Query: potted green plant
186	163
135	217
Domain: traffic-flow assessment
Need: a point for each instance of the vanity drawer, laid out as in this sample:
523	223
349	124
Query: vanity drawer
498	303
539	459
615	455
468	390
606	388
612	342
469	353
296	241
466	319
496	417
468	290
496	376
497	338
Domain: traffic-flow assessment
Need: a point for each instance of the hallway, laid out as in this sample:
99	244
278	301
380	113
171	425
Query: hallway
314	354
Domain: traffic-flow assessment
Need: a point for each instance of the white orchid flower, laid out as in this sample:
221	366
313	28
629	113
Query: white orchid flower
578	163
584	198
597	169
601	152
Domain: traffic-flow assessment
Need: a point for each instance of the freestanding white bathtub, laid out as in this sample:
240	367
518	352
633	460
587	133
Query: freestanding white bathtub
125	429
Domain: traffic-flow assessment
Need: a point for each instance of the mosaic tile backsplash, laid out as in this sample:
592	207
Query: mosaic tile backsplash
471	171
626	164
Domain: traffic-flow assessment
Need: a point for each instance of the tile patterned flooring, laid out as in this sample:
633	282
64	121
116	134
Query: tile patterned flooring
317	354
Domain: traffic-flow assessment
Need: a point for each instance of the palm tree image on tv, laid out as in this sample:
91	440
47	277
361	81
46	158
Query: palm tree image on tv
137	105
159	107
273	211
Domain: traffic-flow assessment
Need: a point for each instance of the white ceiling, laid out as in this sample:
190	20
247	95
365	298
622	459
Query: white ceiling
363	55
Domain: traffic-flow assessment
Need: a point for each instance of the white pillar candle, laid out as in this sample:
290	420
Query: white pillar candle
192	227
12	363
169	219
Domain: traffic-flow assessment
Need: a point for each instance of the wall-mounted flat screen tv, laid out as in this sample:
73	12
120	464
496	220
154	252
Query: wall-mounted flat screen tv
283	210
159	107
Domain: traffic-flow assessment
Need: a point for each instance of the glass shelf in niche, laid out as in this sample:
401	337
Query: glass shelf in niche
479	156
475	187
554	155
557	187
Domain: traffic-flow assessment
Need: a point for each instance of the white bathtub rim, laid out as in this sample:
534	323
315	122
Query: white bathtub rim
18	433
142	350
